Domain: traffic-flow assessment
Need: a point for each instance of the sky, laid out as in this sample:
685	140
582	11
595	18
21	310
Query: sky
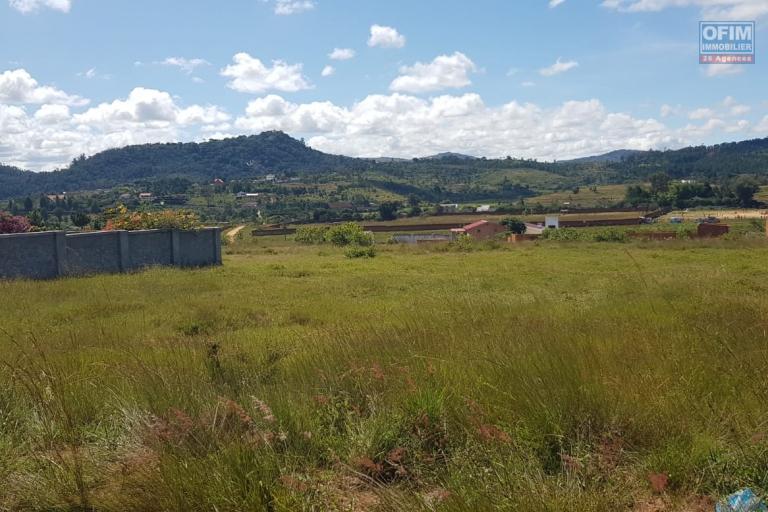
545	79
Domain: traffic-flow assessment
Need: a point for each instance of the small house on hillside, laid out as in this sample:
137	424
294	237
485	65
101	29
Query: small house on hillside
552	222
145	196
480	230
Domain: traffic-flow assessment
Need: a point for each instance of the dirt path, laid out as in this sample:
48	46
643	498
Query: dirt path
231	234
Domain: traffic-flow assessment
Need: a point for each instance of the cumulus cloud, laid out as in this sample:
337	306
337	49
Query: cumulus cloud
555	3
288	7
328	71
712	9
17	86
716	70
558	67
406	126
249	74
188	66
444	72
385	37
342	54
52	135
30	6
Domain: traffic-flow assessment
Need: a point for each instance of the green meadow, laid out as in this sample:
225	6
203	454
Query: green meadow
534	377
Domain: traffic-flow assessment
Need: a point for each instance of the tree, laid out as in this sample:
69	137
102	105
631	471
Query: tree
659	183
514	225
80	219
388	211
745	188
29	205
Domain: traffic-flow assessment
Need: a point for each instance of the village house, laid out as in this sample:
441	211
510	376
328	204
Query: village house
145	196
480	230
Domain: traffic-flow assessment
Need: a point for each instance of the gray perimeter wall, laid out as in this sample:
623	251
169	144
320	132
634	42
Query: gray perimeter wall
56	253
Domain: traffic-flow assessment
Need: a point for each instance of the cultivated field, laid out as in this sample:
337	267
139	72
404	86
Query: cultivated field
543	376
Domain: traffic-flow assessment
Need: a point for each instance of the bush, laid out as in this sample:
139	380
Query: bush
357	251
311	235
514	225
610	235
121	218
561	235
13	224
350	233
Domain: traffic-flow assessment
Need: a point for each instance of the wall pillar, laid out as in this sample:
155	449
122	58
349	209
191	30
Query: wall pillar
217	246
175	248
125	256
60	241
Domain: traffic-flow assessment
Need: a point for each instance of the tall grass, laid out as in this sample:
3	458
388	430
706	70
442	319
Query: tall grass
553	377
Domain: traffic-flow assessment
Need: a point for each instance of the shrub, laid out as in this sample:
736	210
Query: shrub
13	224
464	242
121	218
357	251
349	233
610	235
561	235
311	235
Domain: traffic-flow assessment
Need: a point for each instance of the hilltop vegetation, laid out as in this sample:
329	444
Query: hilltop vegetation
447	176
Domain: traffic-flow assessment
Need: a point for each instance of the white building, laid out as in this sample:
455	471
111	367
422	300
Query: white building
552	222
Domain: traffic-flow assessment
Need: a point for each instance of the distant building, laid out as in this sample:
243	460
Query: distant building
480	230
247	195
552	222
449	207
486	208
218	181
145	196
270	177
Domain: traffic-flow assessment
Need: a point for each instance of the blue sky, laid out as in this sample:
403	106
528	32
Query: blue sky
541	79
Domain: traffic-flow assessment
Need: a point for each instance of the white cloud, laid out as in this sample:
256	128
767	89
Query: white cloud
701	113
328	71
445	71
558	67
669	110
18	86
528	84
715	70
149	107
188	66
342	54
92	74
406	126
288	7
51	114
250	75
762	127
385	37
30	6
555	3
53	135
712	9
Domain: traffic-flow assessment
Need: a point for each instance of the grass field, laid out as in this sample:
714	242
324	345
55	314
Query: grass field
604	196
535	377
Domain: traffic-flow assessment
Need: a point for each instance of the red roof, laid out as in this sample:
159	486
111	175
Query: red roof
475	225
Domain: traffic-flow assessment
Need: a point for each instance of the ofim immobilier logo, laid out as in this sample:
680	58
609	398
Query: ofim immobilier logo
727	42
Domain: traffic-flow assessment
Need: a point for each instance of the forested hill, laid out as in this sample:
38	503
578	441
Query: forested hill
275	152
705	162
240	157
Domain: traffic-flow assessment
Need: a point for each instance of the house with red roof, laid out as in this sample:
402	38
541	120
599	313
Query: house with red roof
480	230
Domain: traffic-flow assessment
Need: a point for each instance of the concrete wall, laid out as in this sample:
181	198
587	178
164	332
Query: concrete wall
56	253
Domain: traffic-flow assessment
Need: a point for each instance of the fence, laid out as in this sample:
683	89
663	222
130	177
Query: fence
57	253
